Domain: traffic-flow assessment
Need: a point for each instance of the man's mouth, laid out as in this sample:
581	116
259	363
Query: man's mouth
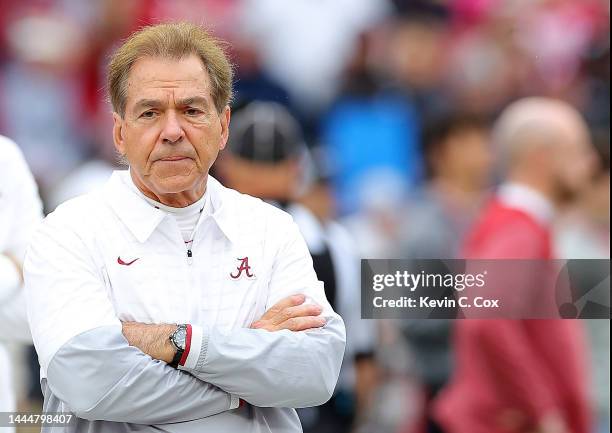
173	158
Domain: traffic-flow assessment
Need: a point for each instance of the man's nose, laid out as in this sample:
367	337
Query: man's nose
172	131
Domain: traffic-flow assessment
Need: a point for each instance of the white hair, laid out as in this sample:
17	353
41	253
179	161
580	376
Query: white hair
530	123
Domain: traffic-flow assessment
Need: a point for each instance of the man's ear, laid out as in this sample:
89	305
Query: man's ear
118	134
225	122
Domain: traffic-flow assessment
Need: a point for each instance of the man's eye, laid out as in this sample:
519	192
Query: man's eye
193	112
148	114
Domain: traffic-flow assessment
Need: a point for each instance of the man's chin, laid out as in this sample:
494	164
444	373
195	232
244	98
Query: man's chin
178	183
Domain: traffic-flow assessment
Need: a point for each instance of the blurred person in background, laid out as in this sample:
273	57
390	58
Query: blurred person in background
20	213
458	161
267	157
371	135
253	83
290	36
485	68
414	56
48	43
524	375
559	35
459	167
583	232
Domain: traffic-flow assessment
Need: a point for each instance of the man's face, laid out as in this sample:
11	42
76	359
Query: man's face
171	132
574	161
467	156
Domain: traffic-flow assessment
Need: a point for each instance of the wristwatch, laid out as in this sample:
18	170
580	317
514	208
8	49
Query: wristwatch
178	339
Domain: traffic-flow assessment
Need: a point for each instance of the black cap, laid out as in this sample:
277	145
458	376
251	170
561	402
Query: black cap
265	132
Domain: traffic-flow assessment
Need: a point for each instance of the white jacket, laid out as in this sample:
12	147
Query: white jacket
109	256
20	212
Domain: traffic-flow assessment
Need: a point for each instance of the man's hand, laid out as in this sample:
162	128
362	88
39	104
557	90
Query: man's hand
151	339
513	420
290	313
552	423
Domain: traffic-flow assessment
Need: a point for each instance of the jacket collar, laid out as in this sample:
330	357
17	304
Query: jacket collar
225	208
528	200
142	219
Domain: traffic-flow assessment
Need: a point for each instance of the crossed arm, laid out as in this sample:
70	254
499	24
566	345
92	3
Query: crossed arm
280	361
290	313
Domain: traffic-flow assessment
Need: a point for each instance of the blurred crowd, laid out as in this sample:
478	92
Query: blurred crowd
368	120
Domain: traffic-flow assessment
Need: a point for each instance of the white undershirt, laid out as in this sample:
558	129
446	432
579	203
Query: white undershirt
186	217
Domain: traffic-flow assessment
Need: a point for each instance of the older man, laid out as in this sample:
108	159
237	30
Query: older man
165	299
524	376
20	212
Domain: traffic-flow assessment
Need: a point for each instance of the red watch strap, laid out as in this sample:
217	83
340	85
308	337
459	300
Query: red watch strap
187	346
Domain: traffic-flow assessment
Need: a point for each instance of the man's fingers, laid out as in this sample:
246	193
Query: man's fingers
289	301
295	324
297	311
302	323
290	313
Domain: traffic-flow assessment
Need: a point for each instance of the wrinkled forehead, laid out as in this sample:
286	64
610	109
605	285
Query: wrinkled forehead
167	78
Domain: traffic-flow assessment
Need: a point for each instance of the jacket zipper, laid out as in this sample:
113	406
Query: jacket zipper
189	249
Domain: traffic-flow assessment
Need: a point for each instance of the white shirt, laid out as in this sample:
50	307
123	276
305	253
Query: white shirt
20	212
110	256
528	200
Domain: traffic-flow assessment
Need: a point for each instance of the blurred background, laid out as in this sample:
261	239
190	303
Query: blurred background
380	115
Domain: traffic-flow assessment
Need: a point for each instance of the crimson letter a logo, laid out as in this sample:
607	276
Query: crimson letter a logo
244	267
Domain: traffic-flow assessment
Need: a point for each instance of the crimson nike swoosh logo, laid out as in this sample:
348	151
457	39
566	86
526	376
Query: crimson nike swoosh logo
121	262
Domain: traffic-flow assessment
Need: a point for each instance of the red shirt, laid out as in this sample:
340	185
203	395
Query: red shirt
510	373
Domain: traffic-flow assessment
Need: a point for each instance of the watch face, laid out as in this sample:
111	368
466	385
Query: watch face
179	337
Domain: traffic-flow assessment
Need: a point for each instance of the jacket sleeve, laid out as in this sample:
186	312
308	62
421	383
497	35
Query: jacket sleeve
21	201
87	361
14	319
283	368
20	213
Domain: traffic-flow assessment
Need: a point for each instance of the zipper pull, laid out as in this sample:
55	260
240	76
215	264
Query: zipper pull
189	257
